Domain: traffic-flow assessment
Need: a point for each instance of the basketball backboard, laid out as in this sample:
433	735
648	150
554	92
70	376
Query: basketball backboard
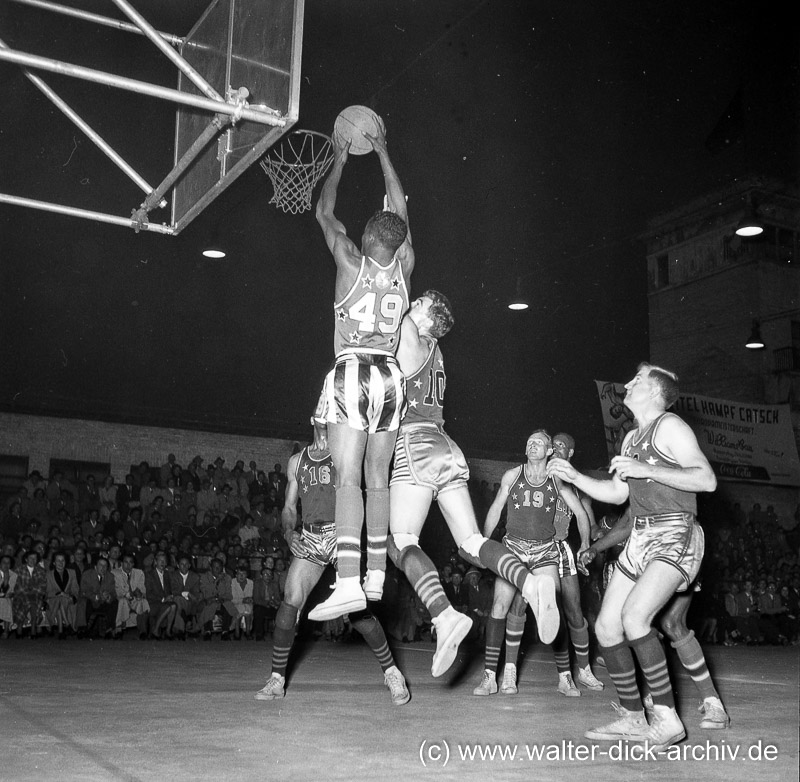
237	94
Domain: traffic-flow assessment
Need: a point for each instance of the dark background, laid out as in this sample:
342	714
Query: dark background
535	140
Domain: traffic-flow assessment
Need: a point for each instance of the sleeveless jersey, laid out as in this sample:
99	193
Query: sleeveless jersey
368	317
531	508
316	483
648	497
425	389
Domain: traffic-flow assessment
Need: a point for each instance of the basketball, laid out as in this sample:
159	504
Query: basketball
351	124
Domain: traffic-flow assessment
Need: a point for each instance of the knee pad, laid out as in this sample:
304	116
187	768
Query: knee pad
286	616
470	549
398	543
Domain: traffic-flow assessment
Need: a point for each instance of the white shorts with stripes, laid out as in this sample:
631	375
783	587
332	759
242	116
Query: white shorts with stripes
365	391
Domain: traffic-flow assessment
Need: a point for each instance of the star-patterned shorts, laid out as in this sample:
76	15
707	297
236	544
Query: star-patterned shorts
366	391
533	553
678	541
426	456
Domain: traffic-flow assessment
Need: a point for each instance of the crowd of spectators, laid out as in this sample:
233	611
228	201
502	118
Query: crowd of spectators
192	551
173	551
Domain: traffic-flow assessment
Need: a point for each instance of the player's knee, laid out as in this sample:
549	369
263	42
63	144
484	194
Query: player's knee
674	629
286	616
518	606
363	621
398	544
470	549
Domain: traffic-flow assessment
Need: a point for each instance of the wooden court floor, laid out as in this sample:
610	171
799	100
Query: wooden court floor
133	710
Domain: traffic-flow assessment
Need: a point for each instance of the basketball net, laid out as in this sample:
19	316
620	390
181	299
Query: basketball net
294	167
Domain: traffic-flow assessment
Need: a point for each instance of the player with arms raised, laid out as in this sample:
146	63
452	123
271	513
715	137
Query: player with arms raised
365	391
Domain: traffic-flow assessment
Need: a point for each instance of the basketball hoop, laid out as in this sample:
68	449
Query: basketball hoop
294	167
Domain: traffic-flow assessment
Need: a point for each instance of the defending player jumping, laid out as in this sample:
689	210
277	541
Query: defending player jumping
660	470
365	390
428	465
312	474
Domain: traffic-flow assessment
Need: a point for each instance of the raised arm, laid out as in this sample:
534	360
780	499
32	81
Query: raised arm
395	197
334	231
412	350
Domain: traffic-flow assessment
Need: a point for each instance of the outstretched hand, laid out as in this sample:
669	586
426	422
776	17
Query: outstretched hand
378	140
341	149
561	468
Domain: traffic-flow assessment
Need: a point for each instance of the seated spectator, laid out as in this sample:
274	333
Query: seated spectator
8	579
128	496
13	523
29	594
248	531
159	595
108	497
134	525
188	599
99	597
242	599
747	611
259	488
215	588
92	525
266	601
89	495
38	508
62	594
131	592
773	622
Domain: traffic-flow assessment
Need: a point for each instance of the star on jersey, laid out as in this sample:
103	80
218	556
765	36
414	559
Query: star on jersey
366	281
395	283
418	383
341	314
652	461
355	338
413	403
645	445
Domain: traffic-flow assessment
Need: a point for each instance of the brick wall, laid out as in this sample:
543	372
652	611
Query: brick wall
42	438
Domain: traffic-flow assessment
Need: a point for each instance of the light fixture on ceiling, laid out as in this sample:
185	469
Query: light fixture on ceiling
750	224
519	302
755	342
214	251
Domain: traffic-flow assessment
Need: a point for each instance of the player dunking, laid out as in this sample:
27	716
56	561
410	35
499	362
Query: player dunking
311	473
530	497
428	465
365	391
660	470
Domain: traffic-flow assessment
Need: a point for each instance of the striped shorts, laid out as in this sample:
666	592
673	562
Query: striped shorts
566	560
365	391
320	546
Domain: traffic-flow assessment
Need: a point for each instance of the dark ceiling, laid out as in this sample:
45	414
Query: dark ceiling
534	139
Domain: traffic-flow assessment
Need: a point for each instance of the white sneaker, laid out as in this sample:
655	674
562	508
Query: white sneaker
665	730
714	715
509	683
272	689
566	686
630	725
589	680
347	596
373	584
451	628
649	714
488	685
540	592
396	683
